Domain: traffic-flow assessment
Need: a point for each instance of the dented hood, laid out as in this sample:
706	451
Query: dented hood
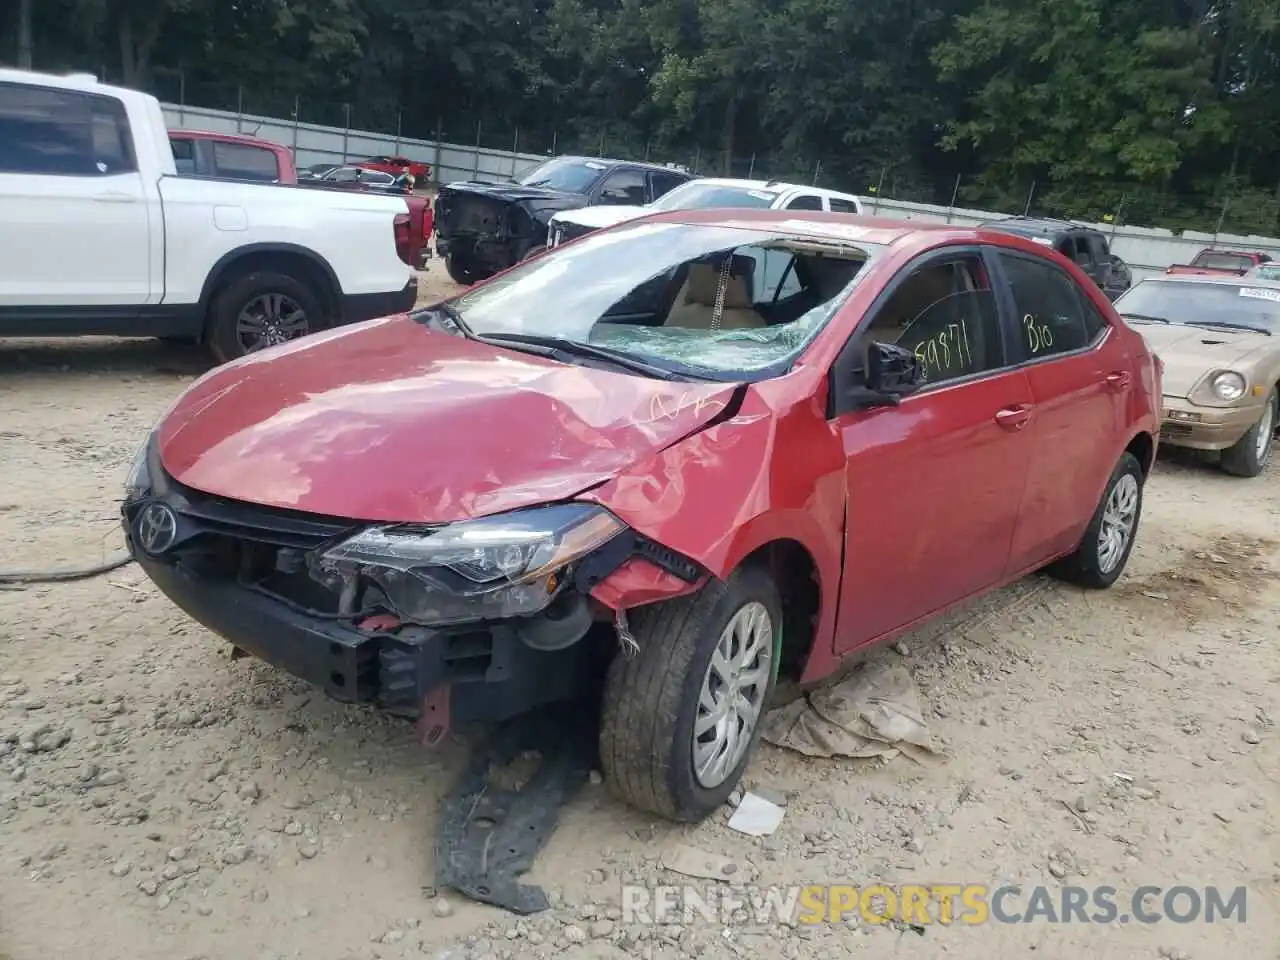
1189	352
392	421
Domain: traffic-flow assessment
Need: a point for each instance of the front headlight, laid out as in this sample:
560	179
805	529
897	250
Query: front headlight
509	565
138	483
1227	385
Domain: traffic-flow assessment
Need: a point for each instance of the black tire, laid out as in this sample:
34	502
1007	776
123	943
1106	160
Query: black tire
239	293
461	269
1242	459
1085	567
651	699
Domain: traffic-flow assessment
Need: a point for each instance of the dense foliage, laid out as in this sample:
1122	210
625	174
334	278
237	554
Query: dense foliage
1155	111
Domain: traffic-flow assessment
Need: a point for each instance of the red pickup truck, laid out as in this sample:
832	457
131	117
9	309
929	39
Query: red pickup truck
230	156
1210	262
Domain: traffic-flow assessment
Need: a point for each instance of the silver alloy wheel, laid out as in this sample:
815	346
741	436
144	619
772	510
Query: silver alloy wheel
269	319
1266	432
1118	518
732	695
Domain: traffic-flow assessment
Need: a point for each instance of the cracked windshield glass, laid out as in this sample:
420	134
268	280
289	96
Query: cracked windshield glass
691	298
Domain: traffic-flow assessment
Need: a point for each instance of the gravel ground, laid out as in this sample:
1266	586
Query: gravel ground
158	800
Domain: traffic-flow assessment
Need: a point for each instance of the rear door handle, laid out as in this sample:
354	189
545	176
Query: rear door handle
1014	418
111	196
1119	379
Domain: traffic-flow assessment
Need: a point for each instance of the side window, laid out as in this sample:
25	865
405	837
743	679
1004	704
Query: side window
62	133
1098	247
840	205
240	161
1094	324
184	156
944	313
806	201
663	183
1050	314
625	187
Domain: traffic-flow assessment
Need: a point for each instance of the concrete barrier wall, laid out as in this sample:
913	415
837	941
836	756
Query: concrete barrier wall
1147	250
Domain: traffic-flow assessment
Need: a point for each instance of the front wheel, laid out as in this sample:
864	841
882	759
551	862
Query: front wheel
1251	453
682	715
260	310
1108	541
461	269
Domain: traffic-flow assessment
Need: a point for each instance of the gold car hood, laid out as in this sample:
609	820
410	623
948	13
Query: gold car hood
1191	352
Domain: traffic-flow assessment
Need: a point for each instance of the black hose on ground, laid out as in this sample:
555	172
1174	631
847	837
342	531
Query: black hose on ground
65	576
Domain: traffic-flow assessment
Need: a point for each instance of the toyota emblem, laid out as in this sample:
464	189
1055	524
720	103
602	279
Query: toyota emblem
157	528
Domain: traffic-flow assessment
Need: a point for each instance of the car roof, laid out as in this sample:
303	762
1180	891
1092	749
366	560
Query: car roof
1036	226
817	224
227	137
611	162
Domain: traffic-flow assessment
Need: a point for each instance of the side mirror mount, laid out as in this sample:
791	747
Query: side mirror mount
893	372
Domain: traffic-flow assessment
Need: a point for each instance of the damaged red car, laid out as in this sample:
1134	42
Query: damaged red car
661	465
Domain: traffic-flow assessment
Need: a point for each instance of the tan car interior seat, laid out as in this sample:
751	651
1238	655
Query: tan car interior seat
695	304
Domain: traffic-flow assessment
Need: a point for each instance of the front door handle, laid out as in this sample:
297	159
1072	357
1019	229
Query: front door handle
1014	418
1119	379
111	196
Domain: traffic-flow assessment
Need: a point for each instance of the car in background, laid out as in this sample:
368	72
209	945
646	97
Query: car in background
358	178
230	156
1083	245
397	167
705	193
1209	262
540	491
316	170
1264	271
1219	338
483	226
88	178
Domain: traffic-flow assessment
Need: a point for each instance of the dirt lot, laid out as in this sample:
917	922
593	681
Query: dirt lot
158	800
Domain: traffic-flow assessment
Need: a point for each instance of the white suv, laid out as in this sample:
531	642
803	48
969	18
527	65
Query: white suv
705	194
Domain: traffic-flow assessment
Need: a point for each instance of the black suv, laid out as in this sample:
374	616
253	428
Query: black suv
1085	245
486	226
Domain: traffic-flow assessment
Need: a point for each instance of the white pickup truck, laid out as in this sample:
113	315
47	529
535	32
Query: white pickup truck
99	235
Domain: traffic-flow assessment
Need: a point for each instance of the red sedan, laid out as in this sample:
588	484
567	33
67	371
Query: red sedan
665	462
397	166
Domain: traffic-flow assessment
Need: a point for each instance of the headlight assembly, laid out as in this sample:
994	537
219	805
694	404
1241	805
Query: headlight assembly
509	565
140	481
1227	385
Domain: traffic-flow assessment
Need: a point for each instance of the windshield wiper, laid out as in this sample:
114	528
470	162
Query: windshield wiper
559	348
452	319
1144	318
1224	325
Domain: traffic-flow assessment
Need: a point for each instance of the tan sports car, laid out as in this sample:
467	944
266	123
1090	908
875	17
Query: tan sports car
1219	338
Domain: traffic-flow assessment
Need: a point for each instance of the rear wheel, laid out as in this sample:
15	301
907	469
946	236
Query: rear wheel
260	310
462	269
682	716
1108	541
1252	452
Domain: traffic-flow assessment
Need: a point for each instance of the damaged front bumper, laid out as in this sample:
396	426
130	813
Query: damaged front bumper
245	572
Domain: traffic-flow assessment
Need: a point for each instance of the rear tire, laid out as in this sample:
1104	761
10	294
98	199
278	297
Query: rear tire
1101	557
247	300
461	269
653	699
1252	452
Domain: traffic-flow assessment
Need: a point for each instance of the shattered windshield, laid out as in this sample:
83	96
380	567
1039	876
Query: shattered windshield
694	196
566	174
695	299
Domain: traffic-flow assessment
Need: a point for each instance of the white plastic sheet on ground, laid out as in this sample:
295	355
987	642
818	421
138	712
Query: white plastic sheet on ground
872	712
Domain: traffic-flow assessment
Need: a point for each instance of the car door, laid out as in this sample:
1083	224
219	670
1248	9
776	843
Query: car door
1080	385
76	227
933	485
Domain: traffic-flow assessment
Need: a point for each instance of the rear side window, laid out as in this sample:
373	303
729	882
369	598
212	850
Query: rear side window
184	156
239	161
663	183
63	133
1051	316
1094	325
839	205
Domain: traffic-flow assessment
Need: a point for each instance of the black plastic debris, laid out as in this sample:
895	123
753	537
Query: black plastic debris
499	817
